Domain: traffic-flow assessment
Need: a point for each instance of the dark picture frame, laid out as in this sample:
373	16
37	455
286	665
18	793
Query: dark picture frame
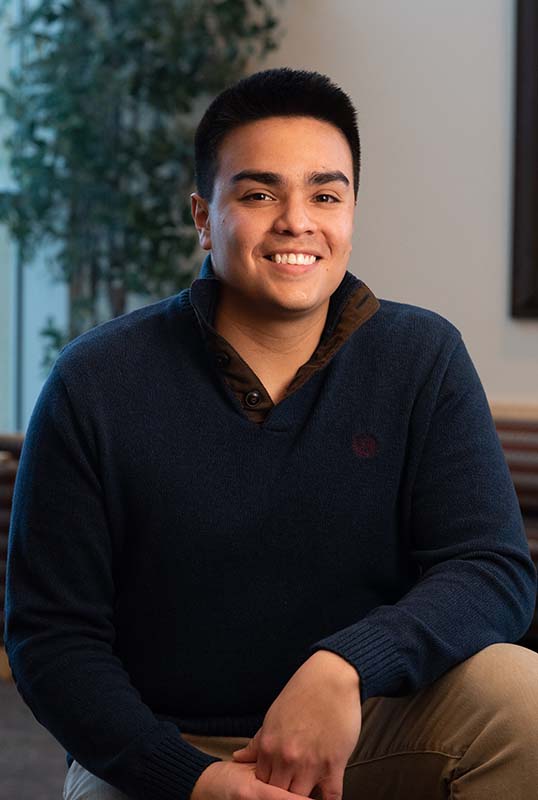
525	205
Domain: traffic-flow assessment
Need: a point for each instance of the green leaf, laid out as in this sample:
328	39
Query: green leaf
101	139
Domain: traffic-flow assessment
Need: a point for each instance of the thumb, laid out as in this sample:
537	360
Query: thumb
247	753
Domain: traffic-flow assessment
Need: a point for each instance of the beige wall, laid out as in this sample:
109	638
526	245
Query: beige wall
433	84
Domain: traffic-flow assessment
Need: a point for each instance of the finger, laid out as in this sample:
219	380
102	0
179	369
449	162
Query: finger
264	766
266	792
306	786
282	775
331	787
247	753
244	754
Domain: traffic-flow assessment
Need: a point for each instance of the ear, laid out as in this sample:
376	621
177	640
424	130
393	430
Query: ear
200	215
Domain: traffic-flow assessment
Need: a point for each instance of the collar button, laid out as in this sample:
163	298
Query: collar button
253	398
222	359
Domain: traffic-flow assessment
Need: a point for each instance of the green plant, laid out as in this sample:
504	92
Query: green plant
103	110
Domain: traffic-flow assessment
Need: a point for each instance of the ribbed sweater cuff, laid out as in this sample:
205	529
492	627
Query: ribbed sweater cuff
373	654
171	769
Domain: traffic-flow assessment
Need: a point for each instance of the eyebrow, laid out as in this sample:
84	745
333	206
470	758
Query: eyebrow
274	179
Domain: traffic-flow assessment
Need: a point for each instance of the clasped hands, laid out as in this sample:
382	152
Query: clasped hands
310	730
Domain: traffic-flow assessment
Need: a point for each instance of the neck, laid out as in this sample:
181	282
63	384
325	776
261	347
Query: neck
275	340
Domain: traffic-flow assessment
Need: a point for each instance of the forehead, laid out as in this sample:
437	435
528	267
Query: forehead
289	145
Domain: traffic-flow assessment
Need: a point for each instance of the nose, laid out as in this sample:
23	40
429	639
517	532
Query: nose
294	218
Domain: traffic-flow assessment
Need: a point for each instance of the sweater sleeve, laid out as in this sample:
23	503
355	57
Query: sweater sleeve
477	583
59	631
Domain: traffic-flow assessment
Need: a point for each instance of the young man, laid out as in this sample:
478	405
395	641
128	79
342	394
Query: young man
265	543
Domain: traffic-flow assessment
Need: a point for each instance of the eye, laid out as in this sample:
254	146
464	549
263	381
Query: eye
258	196
328	198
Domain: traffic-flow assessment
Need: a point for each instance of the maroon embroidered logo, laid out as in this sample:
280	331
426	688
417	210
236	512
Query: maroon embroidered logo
364	445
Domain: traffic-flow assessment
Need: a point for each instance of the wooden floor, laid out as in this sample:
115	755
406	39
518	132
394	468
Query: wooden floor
32	763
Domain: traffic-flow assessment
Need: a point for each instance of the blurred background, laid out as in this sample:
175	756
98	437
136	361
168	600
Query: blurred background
101	100
434	85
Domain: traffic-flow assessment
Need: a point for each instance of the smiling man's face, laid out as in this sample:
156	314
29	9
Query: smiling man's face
283	191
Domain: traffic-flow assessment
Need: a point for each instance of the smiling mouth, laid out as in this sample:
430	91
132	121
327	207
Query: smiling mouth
304	259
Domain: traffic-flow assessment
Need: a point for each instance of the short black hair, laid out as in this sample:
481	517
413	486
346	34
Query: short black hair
281	92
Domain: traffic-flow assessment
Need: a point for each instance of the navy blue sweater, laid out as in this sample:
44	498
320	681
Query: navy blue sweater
172	563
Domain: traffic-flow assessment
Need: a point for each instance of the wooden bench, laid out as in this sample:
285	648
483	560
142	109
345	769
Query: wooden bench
517	428
517	431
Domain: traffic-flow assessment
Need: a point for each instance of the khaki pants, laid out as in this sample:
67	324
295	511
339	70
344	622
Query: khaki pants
471	735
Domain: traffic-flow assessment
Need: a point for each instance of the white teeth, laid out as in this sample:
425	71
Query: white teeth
293	258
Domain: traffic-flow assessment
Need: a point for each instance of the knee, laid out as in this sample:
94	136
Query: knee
503	678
